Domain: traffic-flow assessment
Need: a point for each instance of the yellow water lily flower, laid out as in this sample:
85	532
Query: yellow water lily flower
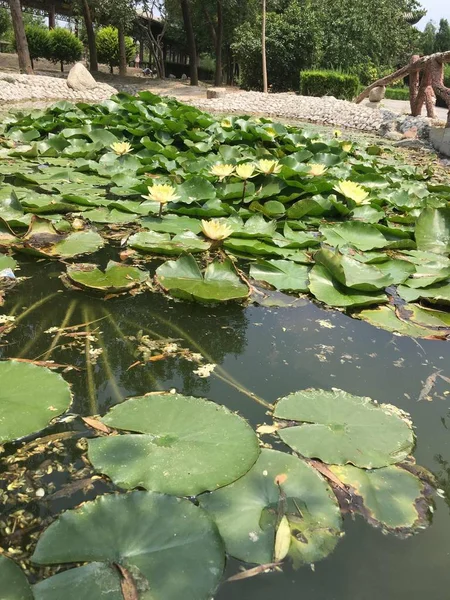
162	193
215	230
347	147
270	131
337	133
245	171
353	191
226	123
269	167
316	169
221	171
121	148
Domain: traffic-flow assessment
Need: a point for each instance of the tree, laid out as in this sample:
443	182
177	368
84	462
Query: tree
264	52
65	47
38	40
429	38
155	42
5	22
121	14
20	37
108	47
192	47
90	34
443	37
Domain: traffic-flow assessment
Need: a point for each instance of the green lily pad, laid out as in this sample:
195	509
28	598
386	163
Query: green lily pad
183	445
359	276
30	397
422	323
116	277
340	428
246	511
354	233
172	224
162	243
183	279
392	497
91	582
331	292
145	531
14	584
7	262
439	293
281	274
433	230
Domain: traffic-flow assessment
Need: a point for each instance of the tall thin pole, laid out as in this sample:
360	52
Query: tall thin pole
264	58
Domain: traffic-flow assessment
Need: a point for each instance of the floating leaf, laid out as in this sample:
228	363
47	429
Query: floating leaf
420	322
184	445
183	279
246	511
360	235
162	243
91	582
30	398
433	230
391	496
340	428
331	292
14	584
282	540
116	277
145	531
281	274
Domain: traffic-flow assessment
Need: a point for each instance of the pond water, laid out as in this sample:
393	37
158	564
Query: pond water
261	354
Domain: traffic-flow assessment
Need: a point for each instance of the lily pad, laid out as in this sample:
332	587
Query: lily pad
184	445
145	531
281	274
116	277
162	243
30	397
340	428
183	279
14	584
421	322
247	511
331	292
433	230
91	582
391	497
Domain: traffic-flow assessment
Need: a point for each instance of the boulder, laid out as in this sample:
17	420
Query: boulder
377	94
216	93
440	138
80	79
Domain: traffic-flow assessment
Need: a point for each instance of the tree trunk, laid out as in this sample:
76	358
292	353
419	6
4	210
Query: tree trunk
51	16
219	42
414	85
122	52
264	56
193	64
21	38
93	61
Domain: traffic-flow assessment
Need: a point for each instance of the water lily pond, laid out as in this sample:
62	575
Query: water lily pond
224	360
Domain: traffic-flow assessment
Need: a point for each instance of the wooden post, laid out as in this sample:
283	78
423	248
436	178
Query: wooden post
21	39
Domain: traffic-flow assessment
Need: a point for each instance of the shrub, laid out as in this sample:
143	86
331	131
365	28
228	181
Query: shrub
108	47
65	47
38	42
397	93
329	83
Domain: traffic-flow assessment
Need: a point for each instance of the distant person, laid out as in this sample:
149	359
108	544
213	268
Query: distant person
137	60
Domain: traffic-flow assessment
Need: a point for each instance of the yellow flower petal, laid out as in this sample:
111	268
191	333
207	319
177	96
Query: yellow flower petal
269	167
215	230
121	148
245	171
162	193
316	169
221	171
352	191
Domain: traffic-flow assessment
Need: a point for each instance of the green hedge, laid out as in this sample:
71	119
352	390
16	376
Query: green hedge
329	83
397	93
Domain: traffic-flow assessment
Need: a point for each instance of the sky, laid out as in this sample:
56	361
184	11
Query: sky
437	9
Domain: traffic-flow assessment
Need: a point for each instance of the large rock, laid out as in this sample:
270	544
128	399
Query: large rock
216	93
440	138
377	94
80	79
